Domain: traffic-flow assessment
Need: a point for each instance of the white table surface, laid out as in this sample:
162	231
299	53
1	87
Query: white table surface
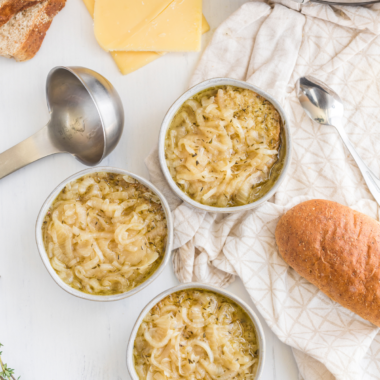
49	334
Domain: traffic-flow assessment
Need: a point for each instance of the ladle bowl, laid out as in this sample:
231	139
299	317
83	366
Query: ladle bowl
87	120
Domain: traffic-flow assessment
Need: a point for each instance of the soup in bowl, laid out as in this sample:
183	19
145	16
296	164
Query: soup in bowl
104	234
224	146
196	331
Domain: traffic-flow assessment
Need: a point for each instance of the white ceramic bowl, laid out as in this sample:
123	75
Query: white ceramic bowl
195	285
285	141
45	258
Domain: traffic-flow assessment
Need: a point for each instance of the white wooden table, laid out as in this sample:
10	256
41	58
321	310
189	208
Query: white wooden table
49	334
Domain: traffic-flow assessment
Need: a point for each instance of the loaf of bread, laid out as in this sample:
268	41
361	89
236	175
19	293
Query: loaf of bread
338	250
8	8
21	37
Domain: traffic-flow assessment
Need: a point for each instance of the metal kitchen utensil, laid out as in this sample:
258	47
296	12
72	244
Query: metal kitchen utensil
87	120
339	2
325	107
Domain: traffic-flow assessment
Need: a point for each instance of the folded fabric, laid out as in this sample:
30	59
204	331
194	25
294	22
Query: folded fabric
270	47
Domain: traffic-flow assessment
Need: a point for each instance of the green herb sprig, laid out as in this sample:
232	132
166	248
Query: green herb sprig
6	373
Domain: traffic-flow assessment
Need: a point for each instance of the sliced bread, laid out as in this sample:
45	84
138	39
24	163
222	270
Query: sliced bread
8	8
21	37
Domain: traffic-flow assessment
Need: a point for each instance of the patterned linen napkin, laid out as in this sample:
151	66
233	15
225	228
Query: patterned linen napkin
270	47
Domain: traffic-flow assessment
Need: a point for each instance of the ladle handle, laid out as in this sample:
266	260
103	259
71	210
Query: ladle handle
371	180
32	149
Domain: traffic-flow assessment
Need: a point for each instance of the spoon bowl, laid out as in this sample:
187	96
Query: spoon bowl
323	105
87	120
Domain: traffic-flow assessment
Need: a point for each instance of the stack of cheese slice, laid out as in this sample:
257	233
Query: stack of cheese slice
136	32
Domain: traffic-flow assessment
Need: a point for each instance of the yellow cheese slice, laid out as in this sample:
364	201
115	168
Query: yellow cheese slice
148	25
129	61
90	5
205	25
116	18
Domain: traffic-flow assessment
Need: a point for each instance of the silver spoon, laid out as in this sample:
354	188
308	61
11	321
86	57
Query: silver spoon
324	106
87	120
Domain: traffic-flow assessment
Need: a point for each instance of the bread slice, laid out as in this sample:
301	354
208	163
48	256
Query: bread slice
8	8
21	37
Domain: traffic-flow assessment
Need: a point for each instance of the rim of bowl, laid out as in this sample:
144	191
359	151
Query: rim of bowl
196	285
169	117
45	259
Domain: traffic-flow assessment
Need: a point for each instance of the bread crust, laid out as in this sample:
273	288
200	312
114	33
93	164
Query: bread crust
338	250
37	34
11	7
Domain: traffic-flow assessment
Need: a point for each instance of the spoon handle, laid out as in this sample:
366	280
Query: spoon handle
32	149
371	180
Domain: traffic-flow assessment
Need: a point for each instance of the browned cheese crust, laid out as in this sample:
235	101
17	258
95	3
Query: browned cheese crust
11	7
37	35
338	250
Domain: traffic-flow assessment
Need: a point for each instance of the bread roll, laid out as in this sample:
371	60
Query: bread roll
338	250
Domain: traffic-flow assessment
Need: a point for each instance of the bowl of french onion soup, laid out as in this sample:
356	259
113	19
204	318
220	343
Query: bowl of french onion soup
104	234
225	146
196	331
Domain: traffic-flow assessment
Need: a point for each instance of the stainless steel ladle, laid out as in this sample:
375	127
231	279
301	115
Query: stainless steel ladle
324	106
87	120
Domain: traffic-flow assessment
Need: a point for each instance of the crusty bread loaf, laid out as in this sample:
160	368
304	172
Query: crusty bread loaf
8	8
21	37
338	250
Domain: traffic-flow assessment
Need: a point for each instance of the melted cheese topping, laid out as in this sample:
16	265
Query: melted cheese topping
222	145
196	334
105	233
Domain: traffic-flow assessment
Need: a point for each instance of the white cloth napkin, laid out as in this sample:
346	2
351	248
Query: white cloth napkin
271	46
